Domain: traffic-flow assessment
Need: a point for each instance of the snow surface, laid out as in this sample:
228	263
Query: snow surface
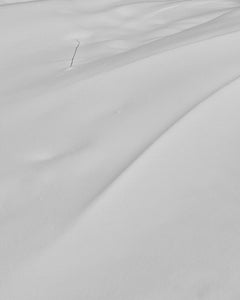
119	176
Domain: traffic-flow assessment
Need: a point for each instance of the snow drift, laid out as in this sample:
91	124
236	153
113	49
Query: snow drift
119	175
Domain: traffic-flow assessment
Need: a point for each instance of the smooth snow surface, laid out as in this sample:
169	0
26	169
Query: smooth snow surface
120	175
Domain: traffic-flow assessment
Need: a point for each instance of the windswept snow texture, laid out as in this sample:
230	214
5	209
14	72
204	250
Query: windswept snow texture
120	174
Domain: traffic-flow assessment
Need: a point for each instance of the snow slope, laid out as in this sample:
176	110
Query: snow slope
119	176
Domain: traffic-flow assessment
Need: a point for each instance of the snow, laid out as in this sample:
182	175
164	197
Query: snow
119	176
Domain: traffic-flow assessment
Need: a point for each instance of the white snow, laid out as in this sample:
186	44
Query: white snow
119	176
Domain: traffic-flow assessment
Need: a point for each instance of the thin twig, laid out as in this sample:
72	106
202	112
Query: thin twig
74	54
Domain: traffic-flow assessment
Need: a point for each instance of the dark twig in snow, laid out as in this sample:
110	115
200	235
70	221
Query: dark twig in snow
74	54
